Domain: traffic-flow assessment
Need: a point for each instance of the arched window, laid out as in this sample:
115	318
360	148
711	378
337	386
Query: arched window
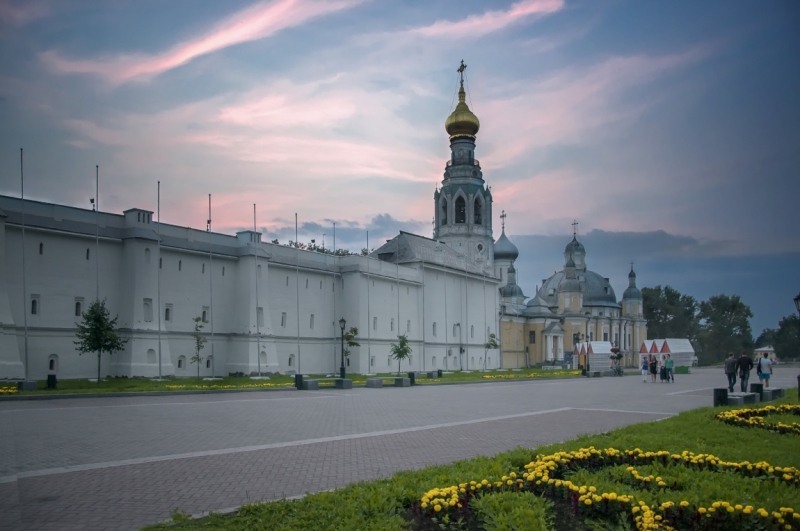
151	356
208	363
433	361
87	254
434	329
41	248
478	212
167	314
472	331
180	265
372	361
461	210
181	362
443	215
34	307
78	309
52	363
291	360
203	269
146	255
205	316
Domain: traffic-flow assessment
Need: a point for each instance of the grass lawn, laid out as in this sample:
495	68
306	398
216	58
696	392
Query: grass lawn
394	504
119	385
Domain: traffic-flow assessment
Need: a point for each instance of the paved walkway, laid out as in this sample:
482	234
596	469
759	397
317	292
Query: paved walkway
121	463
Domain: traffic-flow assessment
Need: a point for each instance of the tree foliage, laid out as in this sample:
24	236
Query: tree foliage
96	333
785	339
199	343
670	313
725	327
401	350
350	339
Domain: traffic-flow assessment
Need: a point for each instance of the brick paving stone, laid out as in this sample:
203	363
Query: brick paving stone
365	434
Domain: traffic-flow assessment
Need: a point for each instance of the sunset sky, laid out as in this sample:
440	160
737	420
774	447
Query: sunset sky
669	130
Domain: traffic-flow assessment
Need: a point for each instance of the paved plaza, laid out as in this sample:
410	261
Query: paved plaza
122	463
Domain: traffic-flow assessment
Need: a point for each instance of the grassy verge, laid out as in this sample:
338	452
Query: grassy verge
133	385
386	504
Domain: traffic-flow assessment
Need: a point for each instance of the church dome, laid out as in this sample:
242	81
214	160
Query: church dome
511	290
574	247
462	122
537	306
632	293
504	249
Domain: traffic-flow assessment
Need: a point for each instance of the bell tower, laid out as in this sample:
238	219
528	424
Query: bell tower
463	204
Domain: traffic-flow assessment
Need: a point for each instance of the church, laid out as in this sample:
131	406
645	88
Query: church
272	308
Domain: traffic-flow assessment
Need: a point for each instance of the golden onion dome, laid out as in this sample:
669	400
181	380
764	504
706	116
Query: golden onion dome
462	122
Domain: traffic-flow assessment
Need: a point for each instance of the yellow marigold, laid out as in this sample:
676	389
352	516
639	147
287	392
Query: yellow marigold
437	507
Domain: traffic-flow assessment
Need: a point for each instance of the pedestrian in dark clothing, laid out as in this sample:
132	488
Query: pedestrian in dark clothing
730	371
745	365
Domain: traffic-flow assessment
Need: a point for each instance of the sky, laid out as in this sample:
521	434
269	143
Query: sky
668	130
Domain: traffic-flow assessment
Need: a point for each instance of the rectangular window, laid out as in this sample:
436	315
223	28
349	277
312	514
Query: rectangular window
532	337
605	336
567	302
148	310
260	316
391	325
283	319
204	315
374	323
311	322
591	336
616	338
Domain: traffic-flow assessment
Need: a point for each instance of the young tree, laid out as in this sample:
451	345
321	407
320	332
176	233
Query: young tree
350	339
670	313
725	327
401	351
199	343
491	344
96	333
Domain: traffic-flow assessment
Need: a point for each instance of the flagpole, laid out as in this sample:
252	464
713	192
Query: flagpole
211	288
97	251
369	315
24	286
334	297
297	288
158	275
258	328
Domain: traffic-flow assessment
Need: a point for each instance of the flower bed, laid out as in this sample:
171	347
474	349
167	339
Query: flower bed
548	374
754	418
236	386
8	391
546	476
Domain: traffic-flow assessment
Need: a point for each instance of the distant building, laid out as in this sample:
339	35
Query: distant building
680	350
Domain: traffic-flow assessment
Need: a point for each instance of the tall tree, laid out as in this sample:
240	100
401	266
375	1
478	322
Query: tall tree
785	339
401	351
96	333
725	327
199	343
670	313
350	339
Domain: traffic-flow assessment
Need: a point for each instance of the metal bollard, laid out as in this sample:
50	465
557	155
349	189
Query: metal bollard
413	377
759	390
439	373
298	381
720	397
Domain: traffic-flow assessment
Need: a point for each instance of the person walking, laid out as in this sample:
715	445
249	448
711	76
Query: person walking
645	369
744	363
730	371
764	369
653	362
670	371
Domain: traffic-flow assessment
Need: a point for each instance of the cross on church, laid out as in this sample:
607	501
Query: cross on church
574	228
503	219
461	71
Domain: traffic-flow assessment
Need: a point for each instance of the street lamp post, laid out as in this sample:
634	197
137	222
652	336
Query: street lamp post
797	307
342	323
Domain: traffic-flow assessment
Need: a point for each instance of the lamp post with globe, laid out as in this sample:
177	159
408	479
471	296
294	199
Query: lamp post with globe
797	307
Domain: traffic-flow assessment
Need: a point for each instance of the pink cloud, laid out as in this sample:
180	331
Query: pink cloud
477	25
19	15
256	22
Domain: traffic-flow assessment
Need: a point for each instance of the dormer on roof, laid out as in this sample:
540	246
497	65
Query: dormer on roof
249	236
